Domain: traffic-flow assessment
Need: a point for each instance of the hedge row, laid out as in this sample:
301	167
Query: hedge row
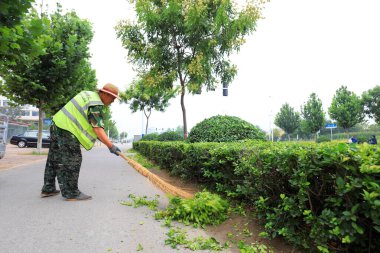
165	136
323	197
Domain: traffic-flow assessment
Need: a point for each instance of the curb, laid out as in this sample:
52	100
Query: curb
163	185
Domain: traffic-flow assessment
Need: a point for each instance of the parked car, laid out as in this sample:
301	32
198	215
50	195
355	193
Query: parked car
29	139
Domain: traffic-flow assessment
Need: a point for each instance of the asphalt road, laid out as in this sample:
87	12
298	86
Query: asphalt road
32	224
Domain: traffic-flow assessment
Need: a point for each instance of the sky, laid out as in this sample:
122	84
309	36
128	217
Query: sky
299	47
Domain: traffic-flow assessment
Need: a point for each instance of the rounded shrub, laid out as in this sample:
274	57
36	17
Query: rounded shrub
170	136
224	129
150	137
363	138
323	138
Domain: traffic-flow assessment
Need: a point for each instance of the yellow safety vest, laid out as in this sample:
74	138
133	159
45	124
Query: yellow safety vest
73	117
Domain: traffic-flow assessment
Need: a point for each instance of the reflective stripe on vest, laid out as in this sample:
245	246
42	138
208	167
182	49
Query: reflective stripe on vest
73	117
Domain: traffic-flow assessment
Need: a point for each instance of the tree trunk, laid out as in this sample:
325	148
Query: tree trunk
183	112
40	127
147	120
183	88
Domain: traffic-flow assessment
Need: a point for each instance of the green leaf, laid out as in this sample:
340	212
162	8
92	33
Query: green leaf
357	228
139	247
15	46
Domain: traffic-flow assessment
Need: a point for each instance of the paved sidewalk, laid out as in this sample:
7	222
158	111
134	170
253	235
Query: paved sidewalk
15	157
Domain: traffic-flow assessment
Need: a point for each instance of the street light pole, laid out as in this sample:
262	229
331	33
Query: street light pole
272	134
270	119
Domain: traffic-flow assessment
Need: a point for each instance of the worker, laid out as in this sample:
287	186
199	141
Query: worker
372	140
79	122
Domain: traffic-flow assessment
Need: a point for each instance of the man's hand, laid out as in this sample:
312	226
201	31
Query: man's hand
114	150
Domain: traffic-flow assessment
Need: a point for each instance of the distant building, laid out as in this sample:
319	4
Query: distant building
29	116
29	113
137	137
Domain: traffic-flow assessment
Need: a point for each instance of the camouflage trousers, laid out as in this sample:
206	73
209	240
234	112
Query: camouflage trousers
64	162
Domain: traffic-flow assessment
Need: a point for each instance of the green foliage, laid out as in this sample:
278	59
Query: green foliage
166	154
323	196
287	119
253	248
170	136
141	201
224	129
139	247
47	62
178	158
204	206
323	139
61	68
141	159
123	135
312	113
177	236
179	130
187	42
144	96
371	103
204	209
362	138
11	11
150	137
24	40
346	108
303	131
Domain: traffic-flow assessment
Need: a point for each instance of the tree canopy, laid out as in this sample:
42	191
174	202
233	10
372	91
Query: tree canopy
287	119
49	78
14	43
371	103
313	114
187	42
147	98
346	108
12	11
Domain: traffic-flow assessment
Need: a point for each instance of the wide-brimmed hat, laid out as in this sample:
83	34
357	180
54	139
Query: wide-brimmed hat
111	89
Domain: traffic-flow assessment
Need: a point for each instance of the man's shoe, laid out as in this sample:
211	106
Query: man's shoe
80	197
49	194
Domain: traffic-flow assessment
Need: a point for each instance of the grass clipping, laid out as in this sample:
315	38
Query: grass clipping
204	209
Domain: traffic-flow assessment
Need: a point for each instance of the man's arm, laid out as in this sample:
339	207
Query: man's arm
102	136
95	118
99	131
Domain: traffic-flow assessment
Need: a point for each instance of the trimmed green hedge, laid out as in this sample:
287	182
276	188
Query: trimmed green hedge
165	136
150	137
323	197
224	129
170	136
